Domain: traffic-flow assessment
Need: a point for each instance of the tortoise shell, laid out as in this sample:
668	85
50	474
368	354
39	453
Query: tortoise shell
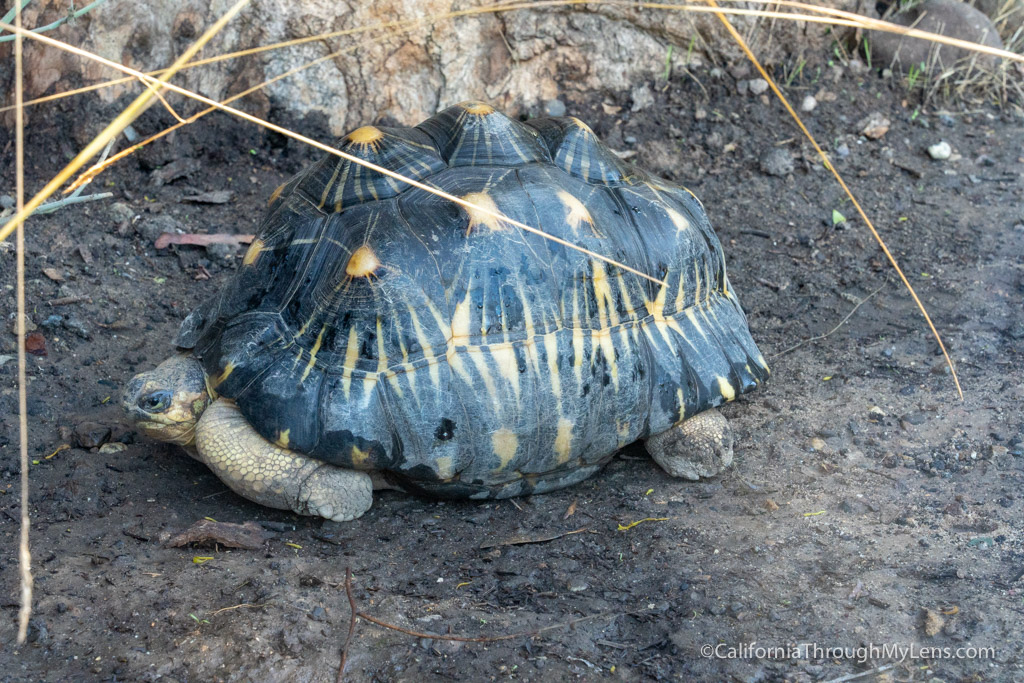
376	326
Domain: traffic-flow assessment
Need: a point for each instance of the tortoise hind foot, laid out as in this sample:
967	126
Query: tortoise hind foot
273	476
700	446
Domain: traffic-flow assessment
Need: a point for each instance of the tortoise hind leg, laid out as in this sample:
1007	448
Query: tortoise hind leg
269	475
700	446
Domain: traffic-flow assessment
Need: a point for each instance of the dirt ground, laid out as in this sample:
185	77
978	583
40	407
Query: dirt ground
870	525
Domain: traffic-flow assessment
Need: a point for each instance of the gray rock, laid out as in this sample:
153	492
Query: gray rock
120	212
777	162
223	252
6	201
946	17
643	97
857	67
74	325
577	585
90	434
151	227
554	108
758	86
940	151
808	104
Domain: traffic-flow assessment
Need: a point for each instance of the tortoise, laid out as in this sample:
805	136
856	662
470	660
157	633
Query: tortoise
376	335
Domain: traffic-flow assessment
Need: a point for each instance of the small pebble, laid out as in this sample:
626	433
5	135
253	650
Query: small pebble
642	97
554	107
6	201
629	139
90	435
843	151
52	322
940	151
758	86
874	125
777	162
856	67
74	325
577	585
809	103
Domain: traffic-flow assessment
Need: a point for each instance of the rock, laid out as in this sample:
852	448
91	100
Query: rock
7	201
940	151
777	162
507	60
76	327
740	70
946	17
29	325
808	104
222	252
742	87
554	108
577	585
151	227
843	151
931	622
643	97
758	86
874	125
857	67
90	434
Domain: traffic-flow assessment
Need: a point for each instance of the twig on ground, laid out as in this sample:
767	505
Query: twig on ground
355	612
50	207
65	300
861	674
842	322
351	624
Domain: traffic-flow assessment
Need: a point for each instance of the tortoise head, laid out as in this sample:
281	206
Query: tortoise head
166	402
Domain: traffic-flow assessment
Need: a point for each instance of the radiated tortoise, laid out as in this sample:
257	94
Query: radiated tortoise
376	335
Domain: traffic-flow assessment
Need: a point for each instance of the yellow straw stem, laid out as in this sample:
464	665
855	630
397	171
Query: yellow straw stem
118	124
828	164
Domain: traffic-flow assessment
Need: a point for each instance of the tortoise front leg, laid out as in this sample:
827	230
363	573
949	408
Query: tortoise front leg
700	446
269	475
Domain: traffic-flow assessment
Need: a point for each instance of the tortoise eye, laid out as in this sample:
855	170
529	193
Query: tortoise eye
156	402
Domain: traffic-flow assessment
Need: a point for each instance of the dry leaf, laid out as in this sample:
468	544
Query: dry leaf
53	274
35	344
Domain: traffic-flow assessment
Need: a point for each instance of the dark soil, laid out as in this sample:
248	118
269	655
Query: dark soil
868	506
